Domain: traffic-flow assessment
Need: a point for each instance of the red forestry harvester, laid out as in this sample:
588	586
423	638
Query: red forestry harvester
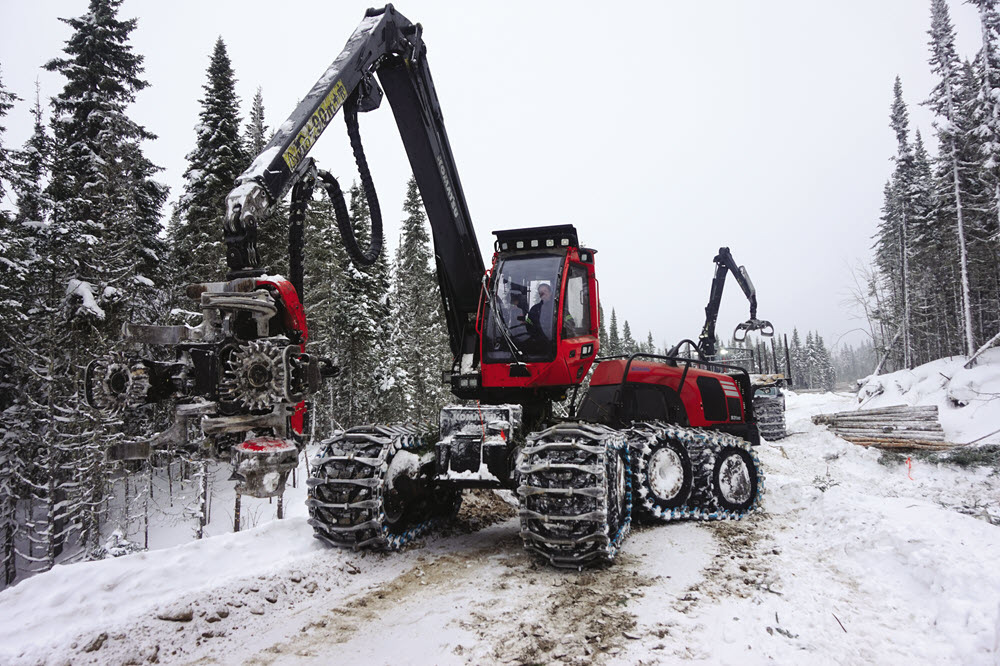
666	436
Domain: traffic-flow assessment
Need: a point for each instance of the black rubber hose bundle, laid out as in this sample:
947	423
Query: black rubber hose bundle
336	194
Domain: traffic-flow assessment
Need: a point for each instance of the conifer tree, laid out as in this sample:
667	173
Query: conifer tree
361	322
12	271
324	278
628	343
602	332
7	100
903	187
614	342
105	202
14	250
213	166
31	168
797	360
419	341
255	136
945	101
105	212
272	232
987	108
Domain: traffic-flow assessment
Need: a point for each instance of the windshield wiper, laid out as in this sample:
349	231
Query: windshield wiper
502	325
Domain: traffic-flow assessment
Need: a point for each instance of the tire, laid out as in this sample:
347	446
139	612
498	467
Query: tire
770	415
735	479
575	490
663	476
367	493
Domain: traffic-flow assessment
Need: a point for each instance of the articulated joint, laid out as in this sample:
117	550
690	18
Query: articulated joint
246	205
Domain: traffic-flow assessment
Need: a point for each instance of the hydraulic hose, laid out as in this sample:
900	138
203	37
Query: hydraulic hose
336	194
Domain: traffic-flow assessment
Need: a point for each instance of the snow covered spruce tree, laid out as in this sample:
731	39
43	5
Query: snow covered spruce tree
31	165
602	331
217	159
324	264
12	273
946	102
272	230
87	266
614	341
419	343
629	345
361	323
106	205
893	245
13	250
649	347
7	100
986	105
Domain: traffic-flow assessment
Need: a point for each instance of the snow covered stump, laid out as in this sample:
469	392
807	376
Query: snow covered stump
261	466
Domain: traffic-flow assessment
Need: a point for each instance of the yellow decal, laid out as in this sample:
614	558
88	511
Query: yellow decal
321	117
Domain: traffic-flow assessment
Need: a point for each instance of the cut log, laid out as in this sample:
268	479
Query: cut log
896	427
893	434
885	443
875	422
912	412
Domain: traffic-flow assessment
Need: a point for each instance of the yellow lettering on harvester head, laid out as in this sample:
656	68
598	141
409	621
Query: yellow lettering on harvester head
310	132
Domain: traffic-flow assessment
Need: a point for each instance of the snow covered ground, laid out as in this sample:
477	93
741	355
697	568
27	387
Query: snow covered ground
851	562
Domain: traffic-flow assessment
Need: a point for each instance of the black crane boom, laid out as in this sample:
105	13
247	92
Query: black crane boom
388	46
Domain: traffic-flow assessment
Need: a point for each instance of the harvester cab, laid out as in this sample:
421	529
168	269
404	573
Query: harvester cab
539	315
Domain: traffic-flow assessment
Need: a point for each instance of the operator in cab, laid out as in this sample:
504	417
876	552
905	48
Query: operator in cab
540	316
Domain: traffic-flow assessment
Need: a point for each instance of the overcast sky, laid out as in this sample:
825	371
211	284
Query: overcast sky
662	130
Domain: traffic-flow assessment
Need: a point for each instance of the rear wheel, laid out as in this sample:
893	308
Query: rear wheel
770	413
735	479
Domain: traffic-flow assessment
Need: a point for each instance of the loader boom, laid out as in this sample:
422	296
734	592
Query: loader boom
388	46
725	264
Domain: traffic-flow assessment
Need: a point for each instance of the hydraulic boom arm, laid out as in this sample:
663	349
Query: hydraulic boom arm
388	45
724	264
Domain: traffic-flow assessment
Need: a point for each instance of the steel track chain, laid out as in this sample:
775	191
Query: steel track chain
575	492
703	447
347	494
770	418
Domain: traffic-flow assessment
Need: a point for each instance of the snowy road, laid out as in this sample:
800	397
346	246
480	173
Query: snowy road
851	562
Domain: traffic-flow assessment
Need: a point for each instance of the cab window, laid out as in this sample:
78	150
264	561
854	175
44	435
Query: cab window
522	315
576	304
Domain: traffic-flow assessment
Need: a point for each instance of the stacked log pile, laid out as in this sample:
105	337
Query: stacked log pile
898	427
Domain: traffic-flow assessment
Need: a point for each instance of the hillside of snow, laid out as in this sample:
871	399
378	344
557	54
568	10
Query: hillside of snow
968	400
852	561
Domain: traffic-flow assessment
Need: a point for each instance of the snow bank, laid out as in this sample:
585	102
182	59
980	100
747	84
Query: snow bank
968	401
77	598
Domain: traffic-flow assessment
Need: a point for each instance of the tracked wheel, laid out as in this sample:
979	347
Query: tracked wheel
662	472
694	473
770	412
575	493
368	490
736	479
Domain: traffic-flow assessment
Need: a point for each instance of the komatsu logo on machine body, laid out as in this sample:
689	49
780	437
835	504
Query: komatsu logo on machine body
320	118
452	200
